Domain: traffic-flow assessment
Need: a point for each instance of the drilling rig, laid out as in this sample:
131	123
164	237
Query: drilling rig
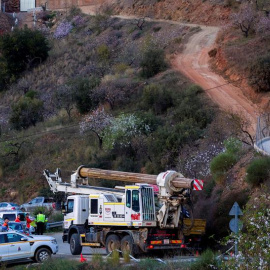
133	218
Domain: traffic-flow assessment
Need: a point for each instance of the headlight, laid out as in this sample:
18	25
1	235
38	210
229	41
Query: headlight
54	241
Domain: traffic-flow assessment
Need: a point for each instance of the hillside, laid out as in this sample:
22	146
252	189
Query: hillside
100	68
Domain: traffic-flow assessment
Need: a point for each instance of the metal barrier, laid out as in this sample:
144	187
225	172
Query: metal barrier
262	143
54	225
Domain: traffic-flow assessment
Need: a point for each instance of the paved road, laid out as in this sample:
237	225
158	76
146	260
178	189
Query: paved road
64	251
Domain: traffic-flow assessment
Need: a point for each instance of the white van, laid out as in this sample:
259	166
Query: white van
11	215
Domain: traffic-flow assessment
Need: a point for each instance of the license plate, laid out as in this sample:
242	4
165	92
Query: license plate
166	241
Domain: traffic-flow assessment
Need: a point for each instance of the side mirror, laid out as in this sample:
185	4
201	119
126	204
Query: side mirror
30	203
24	239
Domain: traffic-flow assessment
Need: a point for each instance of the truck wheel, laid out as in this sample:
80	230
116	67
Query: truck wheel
127	245
75	245
42	255
112	243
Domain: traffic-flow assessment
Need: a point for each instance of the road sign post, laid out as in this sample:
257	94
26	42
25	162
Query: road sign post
235	223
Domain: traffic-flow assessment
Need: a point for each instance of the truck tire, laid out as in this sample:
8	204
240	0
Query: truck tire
112	243
42	255
127	245
75	245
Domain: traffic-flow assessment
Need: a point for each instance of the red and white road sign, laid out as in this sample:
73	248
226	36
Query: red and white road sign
197	184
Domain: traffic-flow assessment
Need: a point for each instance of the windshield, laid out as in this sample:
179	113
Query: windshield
14	204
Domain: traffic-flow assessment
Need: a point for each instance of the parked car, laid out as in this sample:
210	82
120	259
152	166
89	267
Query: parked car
11	215
17	246
16	226
38	202
6	206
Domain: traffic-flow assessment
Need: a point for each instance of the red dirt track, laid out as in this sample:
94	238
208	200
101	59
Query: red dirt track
193	63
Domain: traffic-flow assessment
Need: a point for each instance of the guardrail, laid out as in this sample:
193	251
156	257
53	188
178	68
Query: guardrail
54	225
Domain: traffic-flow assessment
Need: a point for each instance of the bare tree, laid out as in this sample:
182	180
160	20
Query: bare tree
244	19
11	149
65	98
242	128
140	22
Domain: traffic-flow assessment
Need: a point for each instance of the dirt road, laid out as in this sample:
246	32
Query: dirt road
193	62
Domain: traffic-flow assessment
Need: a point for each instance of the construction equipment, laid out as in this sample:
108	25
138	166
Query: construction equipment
129	219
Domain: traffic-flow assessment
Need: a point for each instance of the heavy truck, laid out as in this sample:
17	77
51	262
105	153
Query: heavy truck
133	218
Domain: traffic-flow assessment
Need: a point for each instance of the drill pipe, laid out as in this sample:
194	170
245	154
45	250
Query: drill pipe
178	182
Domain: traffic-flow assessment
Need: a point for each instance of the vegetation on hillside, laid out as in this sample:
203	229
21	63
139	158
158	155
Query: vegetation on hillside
105	97
20	50
245	44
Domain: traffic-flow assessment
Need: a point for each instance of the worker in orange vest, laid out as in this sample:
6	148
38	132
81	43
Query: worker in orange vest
18	218
5	225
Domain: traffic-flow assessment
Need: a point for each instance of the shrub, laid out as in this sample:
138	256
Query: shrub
27	112
206	261
224	161
55	217
258	171
221	164
253	242
233	146
114	259
103	52
260	74
44	210
158	98
21	49
78	20
123	129
63	30
263	26
153	62
82	89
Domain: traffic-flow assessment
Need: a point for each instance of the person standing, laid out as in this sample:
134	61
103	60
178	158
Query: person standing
28	222
40	220
5	225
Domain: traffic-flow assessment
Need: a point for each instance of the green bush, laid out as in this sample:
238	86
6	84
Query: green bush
224	161
221	164
260	74
153	61
103	52
258	171
233	146
206	261
157	98
47	212
22	49
82	89
26	112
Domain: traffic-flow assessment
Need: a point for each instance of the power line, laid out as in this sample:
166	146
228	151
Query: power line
39	133
227	83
